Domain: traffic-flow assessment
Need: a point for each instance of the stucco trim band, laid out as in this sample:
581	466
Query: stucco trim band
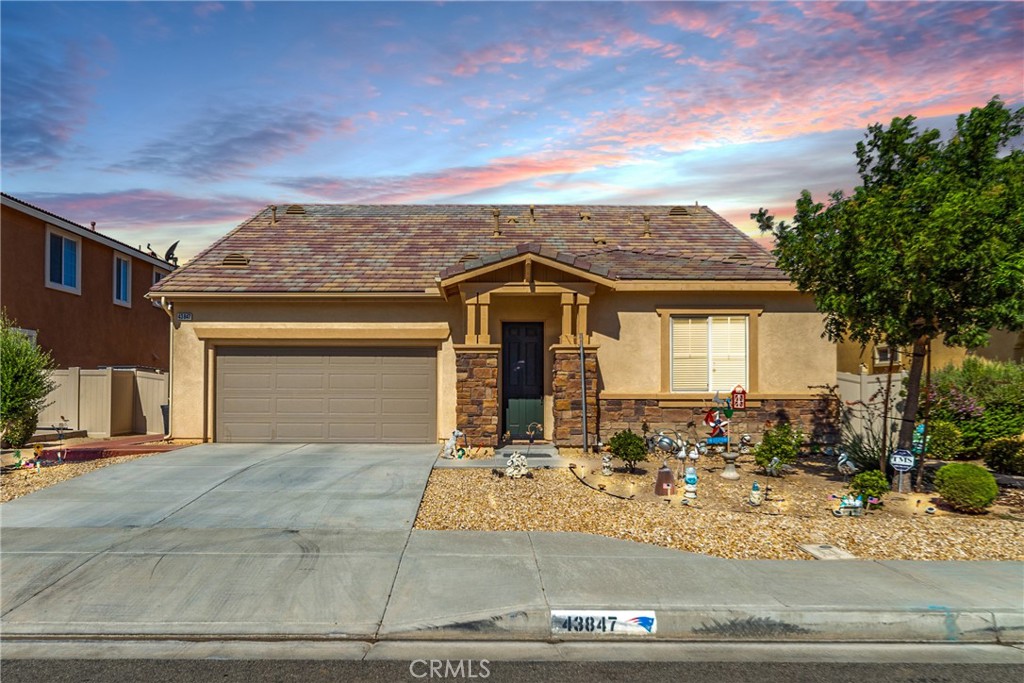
327	331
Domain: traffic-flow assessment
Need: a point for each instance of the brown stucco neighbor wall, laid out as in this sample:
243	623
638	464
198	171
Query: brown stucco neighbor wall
566	389
815	416
476	387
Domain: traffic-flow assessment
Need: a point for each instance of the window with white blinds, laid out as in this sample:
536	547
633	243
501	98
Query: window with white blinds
709	353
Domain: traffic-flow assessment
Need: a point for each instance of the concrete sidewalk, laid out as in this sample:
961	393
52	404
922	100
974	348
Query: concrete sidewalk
315	542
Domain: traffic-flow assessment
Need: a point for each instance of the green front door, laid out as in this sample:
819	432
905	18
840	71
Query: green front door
522	348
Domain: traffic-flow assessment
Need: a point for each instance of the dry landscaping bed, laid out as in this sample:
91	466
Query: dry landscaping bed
722	523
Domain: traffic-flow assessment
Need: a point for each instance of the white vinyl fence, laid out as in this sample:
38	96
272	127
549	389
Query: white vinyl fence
107	402
864	396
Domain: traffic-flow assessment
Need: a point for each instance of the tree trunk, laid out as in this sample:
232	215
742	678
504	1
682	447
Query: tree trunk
906	438
919	479
883	455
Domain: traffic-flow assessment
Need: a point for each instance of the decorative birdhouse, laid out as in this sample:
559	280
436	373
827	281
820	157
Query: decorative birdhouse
739	398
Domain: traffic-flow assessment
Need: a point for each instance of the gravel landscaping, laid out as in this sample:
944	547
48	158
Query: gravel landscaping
722	523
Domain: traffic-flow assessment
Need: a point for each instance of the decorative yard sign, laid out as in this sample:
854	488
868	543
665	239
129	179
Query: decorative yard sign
901	460
610	622
184	316
739	398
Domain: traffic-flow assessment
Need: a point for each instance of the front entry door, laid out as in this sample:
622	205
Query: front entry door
522	347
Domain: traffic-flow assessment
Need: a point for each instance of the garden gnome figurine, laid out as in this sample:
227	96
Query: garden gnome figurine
756	495
690	487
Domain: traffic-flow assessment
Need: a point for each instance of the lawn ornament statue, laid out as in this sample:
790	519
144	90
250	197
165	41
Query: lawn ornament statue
606	464
846	466
850	506
451	449
665	484
690	485
756	495
746	444
517	466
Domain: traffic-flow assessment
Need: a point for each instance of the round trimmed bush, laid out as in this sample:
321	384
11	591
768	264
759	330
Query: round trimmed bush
945	440
966	487
871	484
21	429
628	447
1005	455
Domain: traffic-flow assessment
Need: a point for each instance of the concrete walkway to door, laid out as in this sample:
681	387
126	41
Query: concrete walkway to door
218	538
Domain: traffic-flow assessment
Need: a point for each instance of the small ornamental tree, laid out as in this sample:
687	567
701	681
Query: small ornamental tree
24	383
929	244
628	447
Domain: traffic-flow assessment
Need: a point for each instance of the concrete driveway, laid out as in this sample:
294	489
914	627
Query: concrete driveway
215	539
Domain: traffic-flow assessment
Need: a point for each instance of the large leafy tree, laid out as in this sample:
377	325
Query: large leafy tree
930	244
24	382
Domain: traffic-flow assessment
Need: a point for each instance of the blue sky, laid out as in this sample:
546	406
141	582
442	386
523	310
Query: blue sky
168	121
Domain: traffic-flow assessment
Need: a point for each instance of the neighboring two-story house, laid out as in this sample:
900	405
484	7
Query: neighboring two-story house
79	293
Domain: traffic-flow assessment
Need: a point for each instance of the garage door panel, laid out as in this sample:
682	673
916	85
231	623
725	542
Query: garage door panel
361	379
354	406
249	406
244	380
326	394
301	406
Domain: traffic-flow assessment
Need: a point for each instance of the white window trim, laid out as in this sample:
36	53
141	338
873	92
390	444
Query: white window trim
77	289
895	355
127	303
710	383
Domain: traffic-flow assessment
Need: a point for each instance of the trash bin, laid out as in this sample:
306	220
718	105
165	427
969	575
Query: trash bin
165	411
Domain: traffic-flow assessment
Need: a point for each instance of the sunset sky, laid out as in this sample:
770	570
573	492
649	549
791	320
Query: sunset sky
167	121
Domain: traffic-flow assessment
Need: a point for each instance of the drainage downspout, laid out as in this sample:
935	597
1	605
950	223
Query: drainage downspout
170	364
583	392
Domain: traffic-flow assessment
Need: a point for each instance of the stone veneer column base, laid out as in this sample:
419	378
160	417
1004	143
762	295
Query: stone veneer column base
476	386
566	394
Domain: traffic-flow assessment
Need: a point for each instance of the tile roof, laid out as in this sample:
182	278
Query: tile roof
351	248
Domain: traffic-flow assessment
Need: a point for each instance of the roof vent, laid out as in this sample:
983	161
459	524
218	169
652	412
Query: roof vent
600	239
468	257
584	216
235	260
679	211
296	210
512	219
735	257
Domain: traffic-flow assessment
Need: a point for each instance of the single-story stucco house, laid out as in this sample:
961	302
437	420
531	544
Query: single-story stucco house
387	323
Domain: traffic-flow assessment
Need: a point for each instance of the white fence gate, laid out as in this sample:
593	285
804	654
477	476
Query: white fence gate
864	396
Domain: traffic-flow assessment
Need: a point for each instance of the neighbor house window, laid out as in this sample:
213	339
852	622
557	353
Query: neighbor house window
709	353
63	262
886	355
122	281
157	276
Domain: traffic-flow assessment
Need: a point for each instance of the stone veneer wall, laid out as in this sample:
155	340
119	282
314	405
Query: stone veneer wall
815	416
566	390
476	408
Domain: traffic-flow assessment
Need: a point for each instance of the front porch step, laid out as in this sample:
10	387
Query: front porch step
536	450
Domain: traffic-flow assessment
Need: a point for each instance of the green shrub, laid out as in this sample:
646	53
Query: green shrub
24	383
945	440
984	398
1005	455
628	447
21	429
781	441
966	487
871	484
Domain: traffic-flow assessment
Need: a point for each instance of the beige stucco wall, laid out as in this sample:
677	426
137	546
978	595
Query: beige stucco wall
787	351
850	355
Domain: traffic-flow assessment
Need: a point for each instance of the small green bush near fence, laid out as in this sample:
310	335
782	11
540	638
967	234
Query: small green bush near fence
966	487
945	440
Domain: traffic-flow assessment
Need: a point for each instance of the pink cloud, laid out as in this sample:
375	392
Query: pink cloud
492	55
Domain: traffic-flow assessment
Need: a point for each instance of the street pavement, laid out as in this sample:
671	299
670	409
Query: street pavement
313	543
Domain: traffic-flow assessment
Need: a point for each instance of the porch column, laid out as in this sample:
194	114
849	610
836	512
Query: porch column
568	298
476	393
582	302
566	390
471	333
484	301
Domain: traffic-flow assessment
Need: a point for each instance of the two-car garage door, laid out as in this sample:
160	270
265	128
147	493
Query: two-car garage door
266	394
